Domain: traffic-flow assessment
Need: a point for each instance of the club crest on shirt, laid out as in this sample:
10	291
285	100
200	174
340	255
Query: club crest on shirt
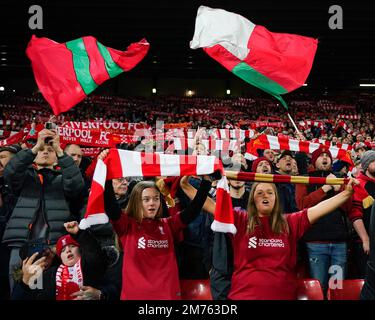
161	230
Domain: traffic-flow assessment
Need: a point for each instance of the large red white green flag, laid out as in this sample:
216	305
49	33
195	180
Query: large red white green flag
276	63
67	72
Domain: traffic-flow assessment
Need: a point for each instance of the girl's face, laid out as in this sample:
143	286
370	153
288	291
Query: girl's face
150	202
70	255
264	199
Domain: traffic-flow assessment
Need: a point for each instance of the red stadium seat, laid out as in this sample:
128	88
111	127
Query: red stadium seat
351	290
309	289
195	289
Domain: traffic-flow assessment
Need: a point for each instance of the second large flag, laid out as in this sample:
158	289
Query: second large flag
277	63
67	72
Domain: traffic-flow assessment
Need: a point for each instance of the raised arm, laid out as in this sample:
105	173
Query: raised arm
325	207
111	206
195	206
190	191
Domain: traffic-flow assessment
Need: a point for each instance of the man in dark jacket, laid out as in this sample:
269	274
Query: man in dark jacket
326	239
287	191
43	191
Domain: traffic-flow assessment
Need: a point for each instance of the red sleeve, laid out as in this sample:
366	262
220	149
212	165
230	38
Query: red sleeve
241	219
356	211
176	226
305	200
298	223
121	225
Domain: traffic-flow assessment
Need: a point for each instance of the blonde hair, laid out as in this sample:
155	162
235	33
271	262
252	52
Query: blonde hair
277	220
134	208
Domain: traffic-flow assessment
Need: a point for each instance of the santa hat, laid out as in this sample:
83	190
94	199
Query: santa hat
65	241
318	152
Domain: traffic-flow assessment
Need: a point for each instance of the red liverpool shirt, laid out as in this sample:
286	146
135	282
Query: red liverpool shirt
264	262
149	270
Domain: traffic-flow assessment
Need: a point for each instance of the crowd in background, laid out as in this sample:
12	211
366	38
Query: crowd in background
44	193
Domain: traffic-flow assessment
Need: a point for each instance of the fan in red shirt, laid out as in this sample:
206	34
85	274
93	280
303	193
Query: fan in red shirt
265	244
149	269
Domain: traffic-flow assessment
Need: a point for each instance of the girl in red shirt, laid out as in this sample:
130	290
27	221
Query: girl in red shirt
149	267
265	244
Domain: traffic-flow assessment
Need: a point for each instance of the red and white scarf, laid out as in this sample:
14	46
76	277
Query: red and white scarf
285	143
125	163
68	280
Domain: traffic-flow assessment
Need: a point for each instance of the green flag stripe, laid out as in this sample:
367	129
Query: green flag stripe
250	75
112	67
81	64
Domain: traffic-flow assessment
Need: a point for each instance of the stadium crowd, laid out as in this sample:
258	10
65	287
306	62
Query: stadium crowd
159	229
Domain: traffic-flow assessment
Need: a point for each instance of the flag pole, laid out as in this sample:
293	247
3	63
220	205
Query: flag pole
293	123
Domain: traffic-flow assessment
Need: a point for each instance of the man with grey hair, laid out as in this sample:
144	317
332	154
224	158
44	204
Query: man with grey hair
361	211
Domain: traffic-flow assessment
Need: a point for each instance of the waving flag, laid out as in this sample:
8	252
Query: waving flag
124	163
276	63
67	72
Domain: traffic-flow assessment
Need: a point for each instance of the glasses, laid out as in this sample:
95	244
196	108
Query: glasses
122	180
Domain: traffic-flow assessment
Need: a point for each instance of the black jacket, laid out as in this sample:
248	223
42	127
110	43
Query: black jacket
331	227
47	202
93	264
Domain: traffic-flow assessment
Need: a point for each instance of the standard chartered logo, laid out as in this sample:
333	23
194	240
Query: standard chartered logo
155	244
142	243
252	242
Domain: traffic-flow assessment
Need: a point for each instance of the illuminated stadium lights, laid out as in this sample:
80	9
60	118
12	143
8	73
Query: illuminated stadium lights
190	93
304	85
228	91
2	88
367	84
153	90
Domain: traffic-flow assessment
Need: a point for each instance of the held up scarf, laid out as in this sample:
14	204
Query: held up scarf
124	163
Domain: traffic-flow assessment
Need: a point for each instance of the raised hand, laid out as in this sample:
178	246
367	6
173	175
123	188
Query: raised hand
31	269
103	154
71	227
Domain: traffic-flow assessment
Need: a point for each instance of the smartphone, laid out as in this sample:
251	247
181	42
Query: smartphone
49	126
30	248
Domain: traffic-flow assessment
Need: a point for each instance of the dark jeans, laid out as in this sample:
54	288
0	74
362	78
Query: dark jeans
324	255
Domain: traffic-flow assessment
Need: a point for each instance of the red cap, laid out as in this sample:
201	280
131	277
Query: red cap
316	154
65	241
256	162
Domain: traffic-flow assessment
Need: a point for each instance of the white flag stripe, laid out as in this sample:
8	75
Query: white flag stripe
169	165
334	152
219	145
205	164
177	144
274	142
293	145
217	26
100	173
131	163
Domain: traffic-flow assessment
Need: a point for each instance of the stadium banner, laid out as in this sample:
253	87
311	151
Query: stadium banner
113	127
